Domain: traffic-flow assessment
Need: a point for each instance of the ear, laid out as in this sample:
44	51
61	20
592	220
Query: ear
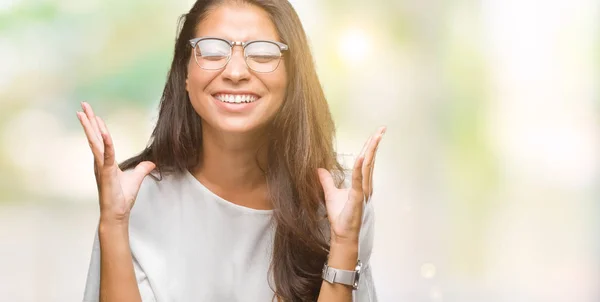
186	84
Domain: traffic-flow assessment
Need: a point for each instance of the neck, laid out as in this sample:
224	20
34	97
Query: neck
229	167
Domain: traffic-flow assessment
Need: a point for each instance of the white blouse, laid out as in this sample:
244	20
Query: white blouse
188	244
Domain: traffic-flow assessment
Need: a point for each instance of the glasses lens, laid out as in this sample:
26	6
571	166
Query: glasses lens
262	56
212	53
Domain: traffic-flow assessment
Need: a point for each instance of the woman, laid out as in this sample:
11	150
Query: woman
242	202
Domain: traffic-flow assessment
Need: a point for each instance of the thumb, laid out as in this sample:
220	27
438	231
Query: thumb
326	181
141	170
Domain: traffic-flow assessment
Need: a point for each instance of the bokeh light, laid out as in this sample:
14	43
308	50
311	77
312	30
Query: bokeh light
354	46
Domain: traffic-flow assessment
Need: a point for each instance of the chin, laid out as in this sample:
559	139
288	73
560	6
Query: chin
239	126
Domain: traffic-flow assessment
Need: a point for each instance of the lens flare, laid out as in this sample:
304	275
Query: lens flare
354	45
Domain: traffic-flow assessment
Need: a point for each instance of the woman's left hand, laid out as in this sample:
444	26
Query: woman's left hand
345	206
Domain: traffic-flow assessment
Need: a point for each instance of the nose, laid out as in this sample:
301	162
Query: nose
236	70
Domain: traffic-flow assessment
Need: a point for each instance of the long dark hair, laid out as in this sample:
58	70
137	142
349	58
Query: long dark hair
300	140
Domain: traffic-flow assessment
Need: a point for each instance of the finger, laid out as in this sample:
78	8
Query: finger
367	169
141	170
357	177
377	148
326	181
87	109
95	144
364	148
135	177
371	174
356	193
109	149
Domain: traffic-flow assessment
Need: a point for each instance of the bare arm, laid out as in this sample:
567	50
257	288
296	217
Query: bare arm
341	257
345	212
117	192
117	276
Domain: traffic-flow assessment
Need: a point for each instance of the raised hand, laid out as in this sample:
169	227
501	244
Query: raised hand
117	190
345	206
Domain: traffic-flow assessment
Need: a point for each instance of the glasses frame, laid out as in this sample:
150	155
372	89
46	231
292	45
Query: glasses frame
282	47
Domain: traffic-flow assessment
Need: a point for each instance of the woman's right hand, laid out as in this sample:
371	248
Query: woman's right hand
117	190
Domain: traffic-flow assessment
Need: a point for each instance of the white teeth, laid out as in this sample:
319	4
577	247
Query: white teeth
238	98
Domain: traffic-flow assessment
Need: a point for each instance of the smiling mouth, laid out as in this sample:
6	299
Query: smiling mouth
236	98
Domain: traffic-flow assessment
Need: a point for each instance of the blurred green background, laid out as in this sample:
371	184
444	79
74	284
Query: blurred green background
487	182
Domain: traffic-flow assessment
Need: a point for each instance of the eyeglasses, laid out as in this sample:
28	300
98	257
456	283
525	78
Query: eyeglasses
260	55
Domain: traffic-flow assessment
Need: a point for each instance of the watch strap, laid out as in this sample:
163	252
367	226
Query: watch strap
346	277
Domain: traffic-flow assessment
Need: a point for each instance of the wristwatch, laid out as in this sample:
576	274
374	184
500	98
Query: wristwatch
334	275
